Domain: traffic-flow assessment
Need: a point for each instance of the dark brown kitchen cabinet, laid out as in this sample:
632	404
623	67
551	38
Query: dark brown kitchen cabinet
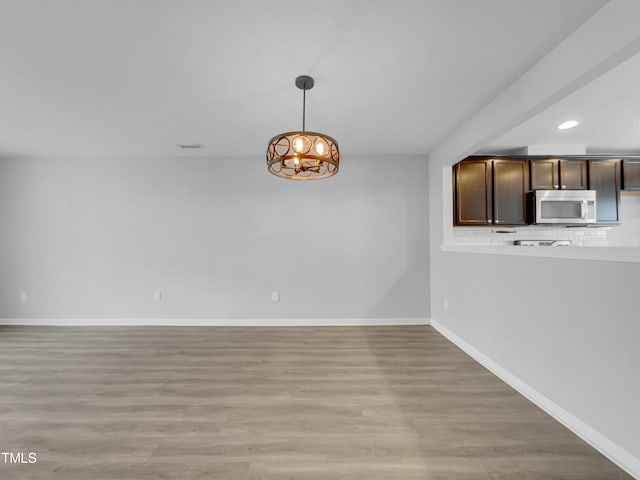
573	174
490	192
544	174
631	175
510	186
473	192
558	174
604	178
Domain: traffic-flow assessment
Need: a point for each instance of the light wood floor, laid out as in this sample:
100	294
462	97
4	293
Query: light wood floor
270	403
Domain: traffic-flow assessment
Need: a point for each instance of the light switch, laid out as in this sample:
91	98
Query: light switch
275	296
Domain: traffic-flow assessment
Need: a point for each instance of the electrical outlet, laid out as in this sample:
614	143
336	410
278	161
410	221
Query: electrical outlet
24	297
275	296
446	303
157	295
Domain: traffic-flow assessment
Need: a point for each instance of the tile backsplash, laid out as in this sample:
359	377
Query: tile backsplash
578	236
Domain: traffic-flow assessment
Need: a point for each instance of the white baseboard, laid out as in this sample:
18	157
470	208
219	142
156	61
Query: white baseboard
609	449
214	322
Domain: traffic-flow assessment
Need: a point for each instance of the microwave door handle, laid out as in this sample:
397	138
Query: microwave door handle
583	210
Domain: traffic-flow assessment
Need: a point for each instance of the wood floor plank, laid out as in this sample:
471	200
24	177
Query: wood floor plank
270	403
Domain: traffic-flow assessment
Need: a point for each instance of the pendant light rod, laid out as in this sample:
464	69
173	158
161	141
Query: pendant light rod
304	83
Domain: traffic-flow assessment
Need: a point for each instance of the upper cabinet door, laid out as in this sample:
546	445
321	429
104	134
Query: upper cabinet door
573	174
544	174
510	186
473	191
631	175
604	178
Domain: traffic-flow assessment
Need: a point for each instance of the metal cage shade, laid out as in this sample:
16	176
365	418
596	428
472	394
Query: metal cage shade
303	155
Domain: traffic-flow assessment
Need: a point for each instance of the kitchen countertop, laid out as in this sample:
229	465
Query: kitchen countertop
607	254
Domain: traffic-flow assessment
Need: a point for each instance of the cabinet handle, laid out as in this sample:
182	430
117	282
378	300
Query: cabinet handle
564	186
556	186
490	221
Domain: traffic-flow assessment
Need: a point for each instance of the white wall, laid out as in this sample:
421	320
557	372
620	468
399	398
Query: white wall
94	237
569	329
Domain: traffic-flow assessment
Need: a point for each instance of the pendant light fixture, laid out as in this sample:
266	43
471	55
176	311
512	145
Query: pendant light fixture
303	155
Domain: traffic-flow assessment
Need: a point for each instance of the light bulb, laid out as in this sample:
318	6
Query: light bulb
297	145
296	161
320	148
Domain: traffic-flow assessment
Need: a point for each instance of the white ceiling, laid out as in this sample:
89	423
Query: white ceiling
137	77
608	110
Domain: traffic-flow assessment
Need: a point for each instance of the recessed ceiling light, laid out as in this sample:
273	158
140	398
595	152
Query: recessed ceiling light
568	124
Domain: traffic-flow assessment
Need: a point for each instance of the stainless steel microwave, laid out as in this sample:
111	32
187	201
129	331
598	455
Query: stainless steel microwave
564	206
